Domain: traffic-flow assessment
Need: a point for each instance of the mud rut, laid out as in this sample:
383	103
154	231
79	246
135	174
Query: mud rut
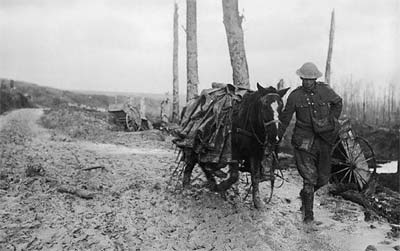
135	207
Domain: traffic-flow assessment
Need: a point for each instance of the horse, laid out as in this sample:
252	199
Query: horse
255	126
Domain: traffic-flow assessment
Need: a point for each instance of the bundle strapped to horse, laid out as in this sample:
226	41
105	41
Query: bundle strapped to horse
206	124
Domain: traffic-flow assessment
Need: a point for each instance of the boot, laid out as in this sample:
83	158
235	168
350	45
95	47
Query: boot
308	207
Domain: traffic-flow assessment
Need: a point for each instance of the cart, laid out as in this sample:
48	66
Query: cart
353	159
125	116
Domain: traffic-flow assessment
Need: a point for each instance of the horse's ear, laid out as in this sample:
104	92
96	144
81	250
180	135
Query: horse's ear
283	92
259	87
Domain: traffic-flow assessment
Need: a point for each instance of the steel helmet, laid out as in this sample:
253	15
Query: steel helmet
309	71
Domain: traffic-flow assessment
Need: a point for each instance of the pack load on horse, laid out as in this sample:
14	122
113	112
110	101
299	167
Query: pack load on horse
235	127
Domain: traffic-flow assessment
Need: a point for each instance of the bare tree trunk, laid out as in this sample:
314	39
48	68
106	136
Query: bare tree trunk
364	107
398	161
384	109
191	50
391	104
329	58
175	91
234	34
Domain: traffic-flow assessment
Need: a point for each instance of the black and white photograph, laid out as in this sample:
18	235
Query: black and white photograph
200	125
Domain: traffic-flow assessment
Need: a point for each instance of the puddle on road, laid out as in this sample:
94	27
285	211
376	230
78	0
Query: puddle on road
390	167
121	150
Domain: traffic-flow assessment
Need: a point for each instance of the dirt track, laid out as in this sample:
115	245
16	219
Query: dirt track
135	207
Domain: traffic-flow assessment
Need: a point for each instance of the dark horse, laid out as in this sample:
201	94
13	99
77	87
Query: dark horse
255	126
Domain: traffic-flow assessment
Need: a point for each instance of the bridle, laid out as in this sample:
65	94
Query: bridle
253	134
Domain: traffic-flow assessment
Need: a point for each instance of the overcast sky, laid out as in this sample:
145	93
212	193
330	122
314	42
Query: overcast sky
126	45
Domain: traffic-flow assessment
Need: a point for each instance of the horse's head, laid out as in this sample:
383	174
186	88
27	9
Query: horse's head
271	106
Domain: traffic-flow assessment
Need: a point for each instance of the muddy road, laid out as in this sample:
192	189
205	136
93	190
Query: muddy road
58	193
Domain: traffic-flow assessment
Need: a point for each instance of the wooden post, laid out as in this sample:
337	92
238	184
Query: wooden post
191	50
142	110
175	84
235	37
329	58
164	113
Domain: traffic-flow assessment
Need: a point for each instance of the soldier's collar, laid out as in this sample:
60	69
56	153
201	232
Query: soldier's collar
309	90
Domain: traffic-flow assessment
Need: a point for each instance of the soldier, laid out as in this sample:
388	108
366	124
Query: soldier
317	109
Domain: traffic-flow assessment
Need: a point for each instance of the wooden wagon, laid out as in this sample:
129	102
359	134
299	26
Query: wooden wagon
125	116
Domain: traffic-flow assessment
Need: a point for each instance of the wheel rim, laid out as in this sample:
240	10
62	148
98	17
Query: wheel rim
353	160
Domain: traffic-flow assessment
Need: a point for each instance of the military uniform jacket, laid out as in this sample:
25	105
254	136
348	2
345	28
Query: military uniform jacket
318	104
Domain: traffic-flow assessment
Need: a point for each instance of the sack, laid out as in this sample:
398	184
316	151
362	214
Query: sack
331	136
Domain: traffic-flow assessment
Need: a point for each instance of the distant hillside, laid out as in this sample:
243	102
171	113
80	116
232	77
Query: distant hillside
43	96
131	94
49	97
154	96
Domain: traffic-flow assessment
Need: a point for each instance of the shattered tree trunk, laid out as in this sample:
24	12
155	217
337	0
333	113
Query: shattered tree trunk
175	91
234	34
329	57
191	50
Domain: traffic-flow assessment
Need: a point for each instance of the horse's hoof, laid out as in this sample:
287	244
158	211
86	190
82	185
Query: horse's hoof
186	185
259	205
212	187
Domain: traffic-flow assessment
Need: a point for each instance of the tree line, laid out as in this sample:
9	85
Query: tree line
369	103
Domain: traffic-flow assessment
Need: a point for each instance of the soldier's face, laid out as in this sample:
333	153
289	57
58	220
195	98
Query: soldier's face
308	83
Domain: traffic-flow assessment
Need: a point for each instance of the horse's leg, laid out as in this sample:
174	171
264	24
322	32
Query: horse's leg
233	178
255	179
210	177
187	173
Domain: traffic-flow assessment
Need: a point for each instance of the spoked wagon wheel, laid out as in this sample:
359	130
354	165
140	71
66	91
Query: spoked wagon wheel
353	161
